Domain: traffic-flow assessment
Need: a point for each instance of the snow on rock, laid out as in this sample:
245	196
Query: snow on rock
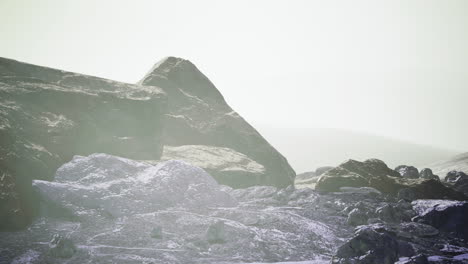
124	187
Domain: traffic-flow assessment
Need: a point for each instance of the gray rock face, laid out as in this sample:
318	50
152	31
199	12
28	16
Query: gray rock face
409	172
199	115
48	115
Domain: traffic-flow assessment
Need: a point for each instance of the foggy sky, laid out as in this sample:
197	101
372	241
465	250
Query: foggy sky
392	68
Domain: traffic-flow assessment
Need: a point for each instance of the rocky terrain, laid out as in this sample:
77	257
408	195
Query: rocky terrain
107	209
47	116
164	171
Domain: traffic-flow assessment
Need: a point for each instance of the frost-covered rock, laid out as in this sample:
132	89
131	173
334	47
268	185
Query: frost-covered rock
123	187
127	211
226	165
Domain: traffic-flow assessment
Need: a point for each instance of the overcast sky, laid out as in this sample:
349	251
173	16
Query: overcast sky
392	68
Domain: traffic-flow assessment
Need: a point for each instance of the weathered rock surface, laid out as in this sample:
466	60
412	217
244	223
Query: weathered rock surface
354	173
409	172
48	115
199	115
447	216
111	207
225	165
455	176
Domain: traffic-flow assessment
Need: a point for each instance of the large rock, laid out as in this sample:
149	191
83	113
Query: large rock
410	172
225	165
119	187
354	173
370	245
427	173
199	115
455	176
447	216
47	116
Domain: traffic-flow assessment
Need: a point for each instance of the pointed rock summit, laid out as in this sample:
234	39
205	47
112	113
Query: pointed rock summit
199	115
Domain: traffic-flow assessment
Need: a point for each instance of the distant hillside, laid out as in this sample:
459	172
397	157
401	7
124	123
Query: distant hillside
307	149
458	162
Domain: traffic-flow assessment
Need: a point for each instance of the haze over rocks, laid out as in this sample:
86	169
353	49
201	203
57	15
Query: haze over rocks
164	171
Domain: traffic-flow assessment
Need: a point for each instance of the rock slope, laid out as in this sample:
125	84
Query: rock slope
199	115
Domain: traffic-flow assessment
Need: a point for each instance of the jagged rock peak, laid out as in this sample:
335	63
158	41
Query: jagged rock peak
179	73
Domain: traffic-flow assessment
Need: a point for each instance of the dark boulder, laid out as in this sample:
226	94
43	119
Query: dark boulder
427	173
428	189
447	216
370	245
409	172
353	173
454	176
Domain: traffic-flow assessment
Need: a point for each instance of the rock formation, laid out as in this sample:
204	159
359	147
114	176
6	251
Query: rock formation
199	115
48	115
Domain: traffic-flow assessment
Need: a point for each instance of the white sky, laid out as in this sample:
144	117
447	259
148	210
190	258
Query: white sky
393	68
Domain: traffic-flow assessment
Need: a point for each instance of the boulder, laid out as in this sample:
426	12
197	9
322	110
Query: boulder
199	115
428	189
352	173
426	173
409	172
454	176
120	187
47	116
369	245
445	215
226	165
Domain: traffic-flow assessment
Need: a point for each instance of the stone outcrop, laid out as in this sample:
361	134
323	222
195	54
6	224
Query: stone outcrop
47	116
199	115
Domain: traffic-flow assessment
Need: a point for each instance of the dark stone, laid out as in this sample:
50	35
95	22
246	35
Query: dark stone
409	172
447	216
454	176
427	173
370	245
